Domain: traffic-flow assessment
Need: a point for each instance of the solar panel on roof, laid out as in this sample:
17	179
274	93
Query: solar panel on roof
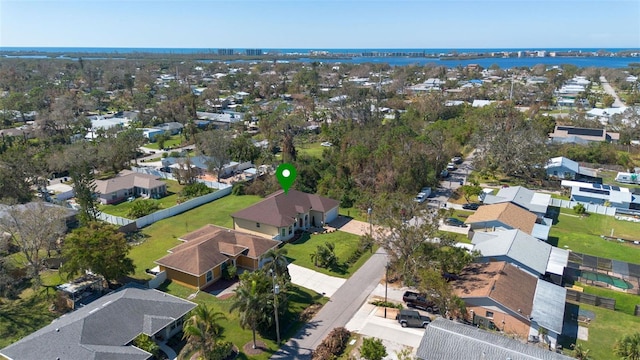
597	186
606	187
594	191
586	132
616	188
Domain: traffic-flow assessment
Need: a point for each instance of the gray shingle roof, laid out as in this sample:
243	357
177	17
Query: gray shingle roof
448	340
516	245
102	329
528	199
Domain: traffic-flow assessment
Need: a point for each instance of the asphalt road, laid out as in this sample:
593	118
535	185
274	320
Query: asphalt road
609	90
344	303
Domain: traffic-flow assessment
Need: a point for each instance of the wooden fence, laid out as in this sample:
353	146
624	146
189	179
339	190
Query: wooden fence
590	299
637	311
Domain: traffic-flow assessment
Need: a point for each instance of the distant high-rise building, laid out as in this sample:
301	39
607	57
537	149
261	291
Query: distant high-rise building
253	52
225	52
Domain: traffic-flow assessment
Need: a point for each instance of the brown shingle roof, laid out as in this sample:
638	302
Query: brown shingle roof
127	181
506	213
210	246
500	281
280	209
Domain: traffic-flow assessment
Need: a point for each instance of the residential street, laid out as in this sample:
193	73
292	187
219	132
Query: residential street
609	90
338	311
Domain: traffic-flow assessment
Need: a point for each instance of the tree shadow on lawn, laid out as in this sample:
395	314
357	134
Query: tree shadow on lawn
553	241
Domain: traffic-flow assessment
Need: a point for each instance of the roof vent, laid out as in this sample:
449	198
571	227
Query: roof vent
57	330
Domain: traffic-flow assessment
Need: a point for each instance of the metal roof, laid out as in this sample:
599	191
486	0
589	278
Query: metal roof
548	306
448	340
517	245
558	260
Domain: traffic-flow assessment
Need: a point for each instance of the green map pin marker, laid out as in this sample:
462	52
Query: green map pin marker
286	175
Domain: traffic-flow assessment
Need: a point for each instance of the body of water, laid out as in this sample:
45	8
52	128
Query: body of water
355	58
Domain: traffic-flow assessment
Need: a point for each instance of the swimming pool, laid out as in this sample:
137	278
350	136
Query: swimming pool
615	281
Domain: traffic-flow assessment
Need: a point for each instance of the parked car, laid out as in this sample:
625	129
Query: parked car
471	206
412	318
420	198
420	301
456	160
326	143
451	166
444	174
426	190
455	222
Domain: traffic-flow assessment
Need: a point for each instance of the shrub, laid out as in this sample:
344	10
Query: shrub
230	272
238	189
142	208
386	304
221	351
144	342
373	349
579	209
333	345
194	190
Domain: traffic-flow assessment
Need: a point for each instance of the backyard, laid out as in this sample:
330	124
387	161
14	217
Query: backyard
346	244
582	234
122	209
173	142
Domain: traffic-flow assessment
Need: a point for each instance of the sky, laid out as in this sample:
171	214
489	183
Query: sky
321	24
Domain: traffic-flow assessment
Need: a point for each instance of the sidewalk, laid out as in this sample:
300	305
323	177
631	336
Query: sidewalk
318	282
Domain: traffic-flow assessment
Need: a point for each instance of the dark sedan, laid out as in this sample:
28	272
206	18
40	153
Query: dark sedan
471	206
455	222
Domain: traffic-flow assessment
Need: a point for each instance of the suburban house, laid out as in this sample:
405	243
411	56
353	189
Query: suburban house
446	340
562	168
527	199
106	328
199	261
522	250
572	134
280	215
169	164
171	128
599	194
500	296
129	184
508	216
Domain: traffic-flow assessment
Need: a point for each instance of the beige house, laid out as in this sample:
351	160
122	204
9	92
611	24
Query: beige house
280	215
130	184
198	262
507	216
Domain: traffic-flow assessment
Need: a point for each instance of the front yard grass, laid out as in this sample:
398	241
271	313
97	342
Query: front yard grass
164	234
173	142
346	244
311	149
354	213
582	234
122	209
299	299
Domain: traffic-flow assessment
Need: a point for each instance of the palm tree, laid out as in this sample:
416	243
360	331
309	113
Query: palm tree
276	260
580	352
628	347
202	330
251	301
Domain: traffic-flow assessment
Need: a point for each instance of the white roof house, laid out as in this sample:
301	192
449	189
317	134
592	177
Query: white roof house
523	197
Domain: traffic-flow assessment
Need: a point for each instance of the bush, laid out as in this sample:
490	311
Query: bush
579	209
194	190
373	349
230	272
333	345
144	342
221	351
386	304
238	189
142	208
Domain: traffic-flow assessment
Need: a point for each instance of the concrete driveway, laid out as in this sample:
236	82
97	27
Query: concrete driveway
352	226
318	282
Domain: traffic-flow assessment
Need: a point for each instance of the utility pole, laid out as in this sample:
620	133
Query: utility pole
276	291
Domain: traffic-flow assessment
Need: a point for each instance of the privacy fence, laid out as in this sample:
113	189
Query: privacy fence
590	208
590	299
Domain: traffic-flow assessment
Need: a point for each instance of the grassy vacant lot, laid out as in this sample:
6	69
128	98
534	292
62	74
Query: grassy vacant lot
582	234
299	299
173	142
163	234
607	327
311	149
345	245
122	209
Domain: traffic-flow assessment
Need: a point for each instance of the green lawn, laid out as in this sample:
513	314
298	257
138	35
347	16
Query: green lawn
624	302
355	213
314	150
173	142
345	245
607	327
582	234
19	318
122	209
163	234
299	299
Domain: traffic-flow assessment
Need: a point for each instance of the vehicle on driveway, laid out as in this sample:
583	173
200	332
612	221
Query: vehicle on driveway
444	173
456	160
471	206
451	166
455	222
420	301
420	198
412	318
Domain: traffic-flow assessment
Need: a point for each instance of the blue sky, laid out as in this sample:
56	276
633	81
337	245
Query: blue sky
321	24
